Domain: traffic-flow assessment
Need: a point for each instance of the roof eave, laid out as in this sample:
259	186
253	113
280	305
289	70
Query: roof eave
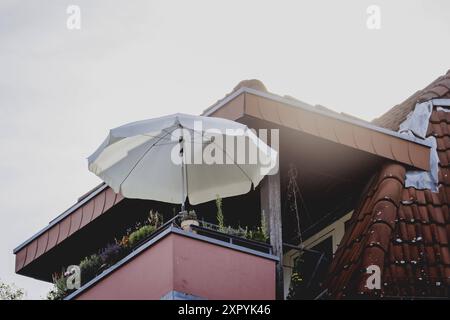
73	208
310	108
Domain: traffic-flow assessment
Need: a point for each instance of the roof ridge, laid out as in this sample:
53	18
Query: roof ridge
439	88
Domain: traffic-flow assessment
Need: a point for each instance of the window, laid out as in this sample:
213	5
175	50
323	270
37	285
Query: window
309	266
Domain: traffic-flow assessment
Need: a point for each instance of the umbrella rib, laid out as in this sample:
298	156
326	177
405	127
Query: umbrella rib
234	162
161	138
145	153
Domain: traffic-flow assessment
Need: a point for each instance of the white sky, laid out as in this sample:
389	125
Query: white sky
61	90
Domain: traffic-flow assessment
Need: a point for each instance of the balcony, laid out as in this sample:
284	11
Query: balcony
172	263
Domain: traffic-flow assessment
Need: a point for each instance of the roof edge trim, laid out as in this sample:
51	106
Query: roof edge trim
310	108
62	216
441	102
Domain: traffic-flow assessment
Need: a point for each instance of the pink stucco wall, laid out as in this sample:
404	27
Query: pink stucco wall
189	266
147	277
206	270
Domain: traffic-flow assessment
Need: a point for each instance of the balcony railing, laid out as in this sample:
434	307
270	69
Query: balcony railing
212	231
223	236
206	232
232	239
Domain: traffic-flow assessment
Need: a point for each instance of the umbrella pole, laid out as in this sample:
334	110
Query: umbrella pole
183	191
183	177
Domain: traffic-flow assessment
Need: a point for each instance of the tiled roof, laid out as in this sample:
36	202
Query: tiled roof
402	230
440	88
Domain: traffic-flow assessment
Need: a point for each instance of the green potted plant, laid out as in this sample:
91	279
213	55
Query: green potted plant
188	219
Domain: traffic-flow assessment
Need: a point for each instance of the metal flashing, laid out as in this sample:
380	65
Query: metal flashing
416	124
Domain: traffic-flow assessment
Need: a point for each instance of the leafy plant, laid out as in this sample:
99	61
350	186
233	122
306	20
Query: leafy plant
260	234
140	234
123	242
10	292
257	235
264	227
155	219
89	267
296	280
59	290
111	253
219	216
239	232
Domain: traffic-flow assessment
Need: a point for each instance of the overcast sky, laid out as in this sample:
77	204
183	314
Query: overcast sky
61	90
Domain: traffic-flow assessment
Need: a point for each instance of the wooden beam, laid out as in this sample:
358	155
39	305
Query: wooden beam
271	209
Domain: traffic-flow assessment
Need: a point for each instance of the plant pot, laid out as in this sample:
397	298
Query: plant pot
186	224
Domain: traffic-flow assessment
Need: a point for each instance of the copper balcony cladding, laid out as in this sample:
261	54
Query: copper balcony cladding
75	218
260	105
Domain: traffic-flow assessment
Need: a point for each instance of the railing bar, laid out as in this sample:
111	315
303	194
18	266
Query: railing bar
257	243
260	246
234	239
163	227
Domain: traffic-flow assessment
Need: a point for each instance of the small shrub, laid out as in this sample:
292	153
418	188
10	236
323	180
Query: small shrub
123	242
257	235
297	282
140	234
264	227
219	216
239	232
89	267
10	292
59	290
155	219
112	253
260	234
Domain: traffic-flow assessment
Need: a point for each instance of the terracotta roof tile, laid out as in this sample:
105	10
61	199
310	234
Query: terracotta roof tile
404	231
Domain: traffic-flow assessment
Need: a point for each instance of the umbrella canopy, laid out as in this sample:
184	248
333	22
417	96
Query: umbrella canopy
173	157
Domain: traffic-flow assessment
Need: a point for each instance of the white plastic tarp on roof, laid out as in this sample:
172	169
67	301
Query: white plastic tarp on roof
416	124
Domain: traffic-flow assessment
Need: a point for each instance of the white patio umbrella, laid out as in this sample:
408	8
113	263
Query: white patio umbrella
173	157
